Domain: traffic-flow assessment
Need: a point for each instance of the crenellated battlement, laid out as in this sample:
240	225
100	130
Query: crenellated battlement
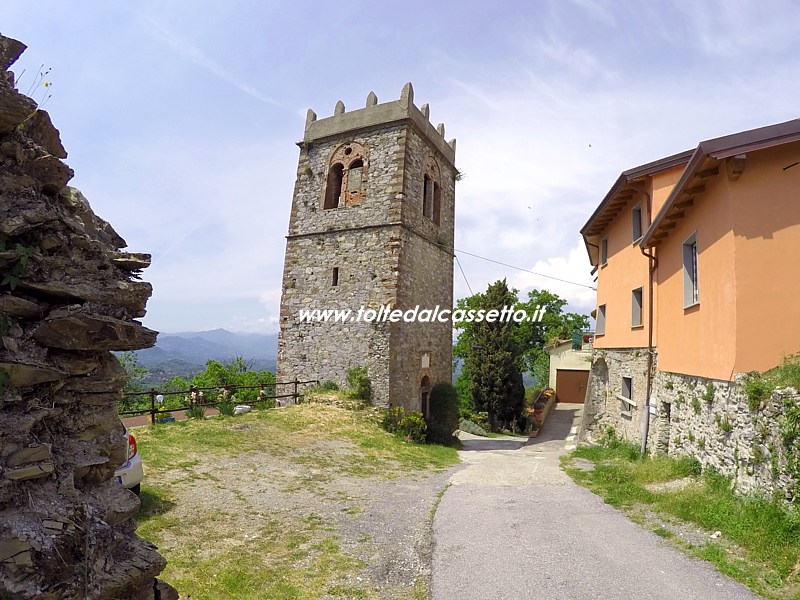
376	115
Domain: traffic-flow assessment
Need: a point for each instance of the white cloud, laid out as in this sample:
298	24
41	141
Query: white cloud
549	103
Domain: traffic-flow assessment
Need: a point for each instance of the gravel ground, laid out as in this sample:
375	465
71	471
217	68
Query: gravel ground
384	522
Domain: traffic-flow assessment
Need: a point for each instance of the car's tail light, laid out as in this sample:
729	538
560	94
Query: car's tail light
131	446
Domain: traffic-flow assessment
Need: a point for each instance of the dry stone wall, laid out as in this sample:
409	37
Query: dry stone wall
68	296
693	416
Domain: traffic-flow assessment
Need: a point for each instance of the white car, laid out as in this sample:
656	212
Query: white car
130	474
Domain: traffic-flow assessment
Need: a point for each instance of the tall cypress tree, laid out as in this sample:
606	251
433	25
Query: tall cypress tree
494	362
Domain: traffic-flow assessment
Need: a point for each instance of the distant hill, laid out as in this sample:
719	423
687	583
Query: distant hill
186	353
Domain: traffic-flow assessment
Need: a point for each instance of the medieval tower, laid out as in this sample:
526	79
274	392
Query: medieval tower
371	225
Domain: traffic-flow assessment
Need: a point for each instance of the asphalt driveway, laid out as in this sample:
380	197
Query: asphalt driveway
513	525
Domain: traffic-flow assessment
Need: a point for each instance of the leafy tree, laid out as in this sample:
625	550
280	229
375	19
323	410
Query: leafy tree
531	337
494	361
130	362
236	372
555	325
463	387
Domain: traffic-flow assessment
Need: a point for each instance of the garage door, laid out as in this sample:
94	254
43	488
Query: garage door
571	385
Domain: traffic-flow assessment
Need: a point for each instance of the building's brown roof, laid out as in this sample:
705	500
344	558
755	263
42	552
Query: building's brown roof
623	190
704	163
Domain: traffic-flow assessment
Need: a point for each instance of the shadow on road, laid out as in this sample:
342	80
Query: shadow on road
558	424
470	442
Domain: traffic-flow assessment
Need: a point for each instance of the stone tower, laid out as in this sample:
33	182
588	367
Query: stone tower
371	225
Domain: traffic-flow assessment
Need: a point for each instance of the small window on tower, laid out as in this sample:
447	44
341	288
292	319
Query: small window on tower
335	277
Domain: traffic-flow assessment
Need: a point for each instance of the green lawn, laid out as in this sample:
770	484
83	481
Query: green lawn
234	503
759	543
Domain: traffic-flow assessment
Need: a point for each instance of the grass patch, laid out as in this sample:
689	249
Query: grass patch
221	543
764	535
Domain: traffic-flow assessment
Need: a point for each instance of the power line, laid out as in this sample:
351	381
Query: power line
497	262
471	293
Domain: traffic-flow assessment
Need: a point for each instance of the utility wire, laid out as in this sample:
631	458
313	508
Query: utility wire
471	293
497	262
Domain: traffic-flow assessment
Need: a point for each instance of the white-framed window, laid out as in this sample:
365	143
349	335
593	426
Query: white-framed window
604	251
636	307
600	325
636	222
627	396
691	291
627	387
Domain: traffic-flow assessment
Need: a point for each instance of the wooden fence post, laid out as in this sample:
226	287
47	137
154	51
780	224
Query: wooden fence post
152	405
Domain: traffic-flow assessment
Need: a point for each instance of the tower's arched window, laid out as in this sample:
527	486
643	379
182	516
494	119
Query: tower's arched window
354	173
437	203
427	197
333	189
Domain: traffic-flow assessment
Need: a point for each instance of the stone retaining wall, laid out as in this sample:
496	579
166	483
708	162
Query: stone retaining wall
692	416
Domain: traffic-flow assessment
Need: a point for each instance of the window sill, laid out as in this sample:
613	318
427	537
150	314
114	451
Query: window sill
640	326
636	241
626	413
690	307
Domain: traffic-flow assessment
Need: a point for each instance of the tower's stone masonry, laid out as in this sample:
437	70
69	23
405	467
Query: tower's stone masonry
371	225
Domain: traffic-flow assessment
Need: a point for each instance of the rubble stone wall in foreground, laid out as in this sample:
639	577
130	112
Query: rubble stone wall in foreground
68	296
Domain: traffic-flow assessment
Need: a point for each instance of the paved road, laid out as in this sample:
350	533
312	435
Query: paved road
514	526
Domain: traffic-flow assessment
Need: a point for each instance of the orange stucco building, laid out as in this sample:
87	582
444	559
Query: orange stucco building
698	262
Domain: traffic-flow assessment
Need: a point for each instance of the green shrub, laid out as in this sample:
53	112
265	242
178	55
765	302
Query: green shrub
757	389
708	396
226	408
443	408
473	428
196	411
436	433
411	426
689	466
695	405
392	417
360	385
726	425
623	448
266	403
481	419
327	386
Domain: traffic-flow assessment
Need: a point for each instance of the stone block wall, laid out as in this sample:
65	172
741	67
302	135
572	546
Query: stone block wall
361	243
374	249
68	296
603	407
711	420
693	416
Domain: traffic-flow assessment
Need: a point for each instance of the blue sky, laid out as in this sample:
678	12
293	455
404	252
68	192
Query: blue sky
180	119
